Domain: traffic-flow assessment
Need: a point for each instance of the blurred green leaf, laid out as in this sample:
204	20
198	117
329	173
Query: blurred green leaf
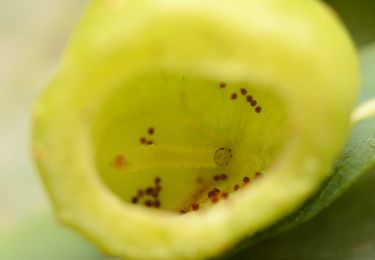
359	17
347	229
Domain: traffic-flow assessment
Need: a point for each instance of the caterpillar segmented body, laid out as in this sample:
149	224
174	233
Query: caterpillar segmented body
165	155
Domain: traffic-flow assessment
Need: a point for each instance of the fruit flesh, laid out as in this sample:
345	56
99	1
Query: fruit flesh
191	119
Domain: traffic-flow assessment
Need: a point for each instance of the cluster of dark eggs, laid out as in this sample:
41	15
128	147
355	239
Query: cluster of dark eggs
215	194
148	140
249	98
150	195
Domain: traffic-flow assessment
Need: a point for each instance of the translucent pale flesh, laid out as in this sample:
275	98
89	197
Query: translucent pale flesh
293	55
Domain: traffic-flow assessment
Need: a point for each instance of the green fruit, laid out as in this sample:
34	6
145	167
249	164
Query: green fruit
229	112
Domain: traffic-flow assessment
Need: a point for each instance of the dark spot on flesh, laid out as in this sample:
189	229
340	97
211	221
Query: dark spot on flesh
236	187
253	103
258	175
223	177
195	206
224	195
222	84
149	142
249	98
246	179
134	200
243	91
143	140
233	96
182	211
211	193
258	109
214	199
119	161
157	203
151	131
149	190
216	177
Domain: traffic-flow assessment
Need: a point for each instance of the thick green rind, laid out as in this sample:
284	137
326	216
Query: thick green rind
356	159
358	17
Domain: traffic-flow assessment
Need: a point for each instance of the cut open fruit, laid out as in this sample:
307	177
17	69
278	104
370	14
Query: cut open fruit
173	129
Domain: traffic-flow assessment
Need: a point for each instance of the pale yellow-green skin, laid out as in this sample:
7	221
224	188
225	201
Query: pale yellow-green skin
135	64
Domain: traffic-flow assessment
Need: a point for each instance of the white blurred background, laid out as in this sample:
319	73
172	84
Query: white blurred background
32	36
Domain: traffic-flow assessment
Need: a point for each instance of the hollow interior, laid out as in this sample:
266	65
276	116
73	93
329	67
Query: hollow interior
184	143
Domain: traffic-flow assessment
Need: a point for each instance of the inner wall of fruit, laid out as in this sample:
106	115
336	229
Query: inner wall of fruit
183	142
